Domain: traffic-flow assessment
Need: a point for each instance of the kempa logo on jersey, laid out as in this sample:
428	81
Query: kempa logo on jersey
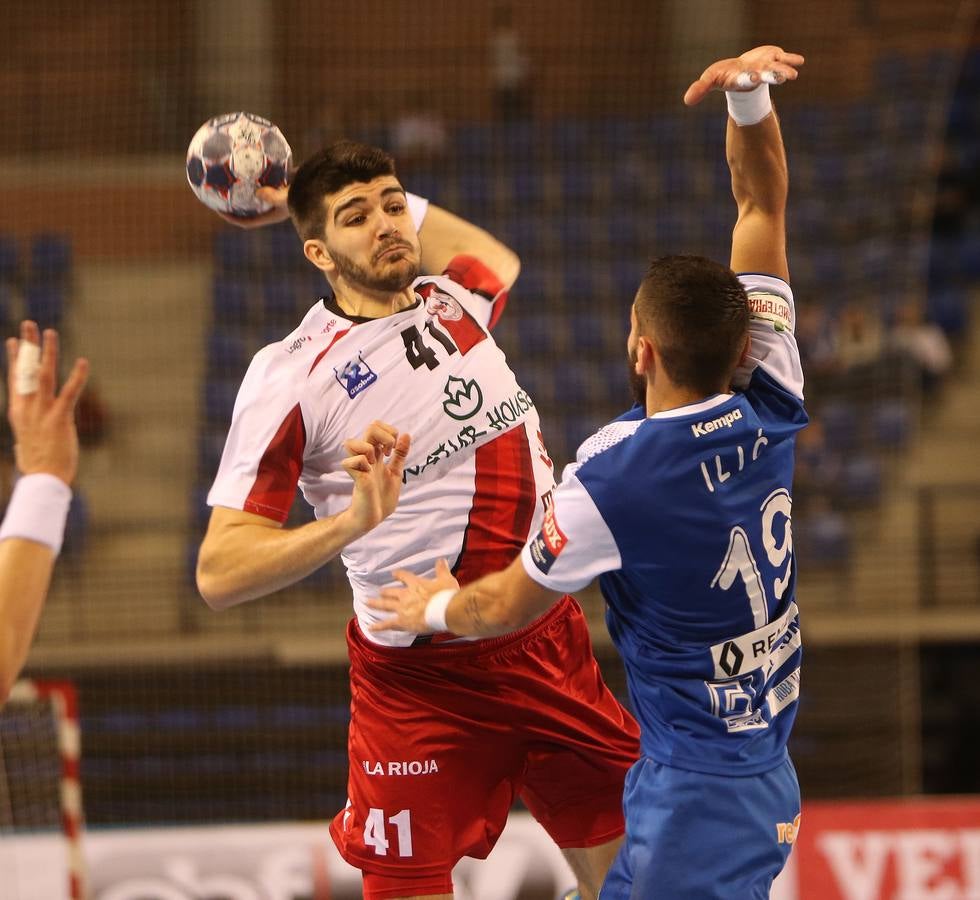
355	376
725	421
464	399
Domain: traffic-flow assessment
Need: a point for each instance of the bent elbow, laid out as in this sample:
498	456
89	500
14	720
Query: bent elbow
213	591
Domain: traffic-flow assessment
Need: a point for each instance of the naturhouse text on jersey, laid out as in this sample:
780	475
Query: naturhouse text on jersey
464	402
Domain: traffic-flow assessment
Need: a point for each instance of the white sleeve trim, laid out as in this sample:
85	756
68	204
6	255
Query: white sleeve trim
417	208
772	326
574	545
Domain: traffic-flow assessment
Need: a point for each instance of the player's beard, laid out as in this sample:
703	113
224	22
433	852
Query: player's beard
391	277
638	383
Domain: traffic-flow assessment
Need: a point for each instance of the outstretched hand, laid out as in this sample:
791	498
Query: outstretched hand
768	63
377	484
408	603
43	420
279	212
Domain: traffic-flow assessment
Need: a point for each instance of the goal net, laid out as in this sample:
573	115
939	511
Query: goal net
40	799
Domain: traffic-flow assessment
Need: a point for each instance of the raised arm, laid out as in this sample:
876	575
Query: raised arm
46	449
755	153
445	236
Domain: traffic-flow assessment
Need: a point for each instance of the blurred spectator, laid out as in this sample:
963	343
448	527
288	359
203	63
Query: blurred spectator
509	68
924	343
858	338
419	133
816	467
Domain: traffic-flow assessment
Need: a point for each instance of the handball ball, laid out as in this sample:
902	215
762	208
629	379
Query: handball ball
231	157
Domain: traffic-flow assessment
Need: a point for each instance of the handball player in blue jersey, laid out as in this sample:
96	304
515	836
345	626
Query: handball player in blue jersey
682	509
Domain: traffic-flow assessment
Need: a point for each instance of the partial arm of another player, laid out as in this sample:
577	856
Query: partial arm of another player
756	155
245	556
496	604
47	457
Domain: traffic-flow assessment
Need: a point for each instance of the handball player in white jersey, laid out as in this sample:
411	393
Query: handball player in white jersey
445	732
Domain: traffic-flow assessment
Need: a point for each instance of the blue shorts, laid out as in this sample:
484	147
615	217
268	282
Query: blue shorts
691	836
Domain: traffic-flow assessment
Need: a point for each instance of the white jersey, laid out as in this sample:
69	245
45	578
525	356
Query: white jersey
477	472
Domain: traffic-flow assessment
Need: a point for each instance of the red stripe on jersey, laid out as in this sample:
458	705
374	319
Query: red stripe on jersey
275	483
476	277
465	331
503	506
324	352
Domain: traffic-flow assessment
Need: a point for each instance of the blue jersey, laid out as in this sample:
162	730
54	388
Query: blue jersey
684	516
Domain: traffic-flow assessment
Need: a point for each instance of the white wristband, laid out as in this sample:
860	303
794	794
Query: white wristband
749	107
435	609
38	510
417	208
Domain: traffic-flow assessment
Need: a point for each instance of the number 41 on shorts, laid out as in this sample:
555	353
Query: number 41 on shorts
374	831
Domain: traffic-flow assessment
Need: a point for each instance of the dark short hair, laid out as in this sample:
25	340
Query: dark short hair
326	172
697	313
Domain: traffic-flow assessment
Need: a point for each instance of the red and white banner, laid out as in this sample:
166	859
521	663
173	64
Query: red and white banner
926	849
887	850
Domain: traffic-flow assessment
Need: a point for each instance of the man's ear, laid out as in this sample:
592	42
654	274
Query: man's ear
744	355
645	356
316	252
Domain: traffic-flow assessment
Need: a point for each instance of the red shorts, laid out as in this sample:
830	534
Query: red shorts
443	738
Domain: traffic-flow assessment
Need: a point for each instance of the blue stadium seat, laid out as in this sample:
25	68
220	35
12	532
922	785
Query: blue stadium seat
474	142
588	333
861	480
527	185
840	423
77	526
579	287
578	232
477	191
536	335
283	249
230	302
219	400
283	301
45	304
211	443
578	185
569	140
9	258
50	257
573	386
227	354
891	423
233	251
948	307
825	539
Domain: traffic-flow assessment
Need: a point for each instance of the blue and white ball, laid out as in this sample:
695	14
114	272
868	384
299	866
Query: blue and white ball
231	157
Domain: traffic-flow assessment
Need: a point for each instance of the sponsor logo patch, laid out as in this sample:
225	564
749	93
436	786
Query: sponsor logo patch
726	421
444	306
770	308
355	376
463	398
549	543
